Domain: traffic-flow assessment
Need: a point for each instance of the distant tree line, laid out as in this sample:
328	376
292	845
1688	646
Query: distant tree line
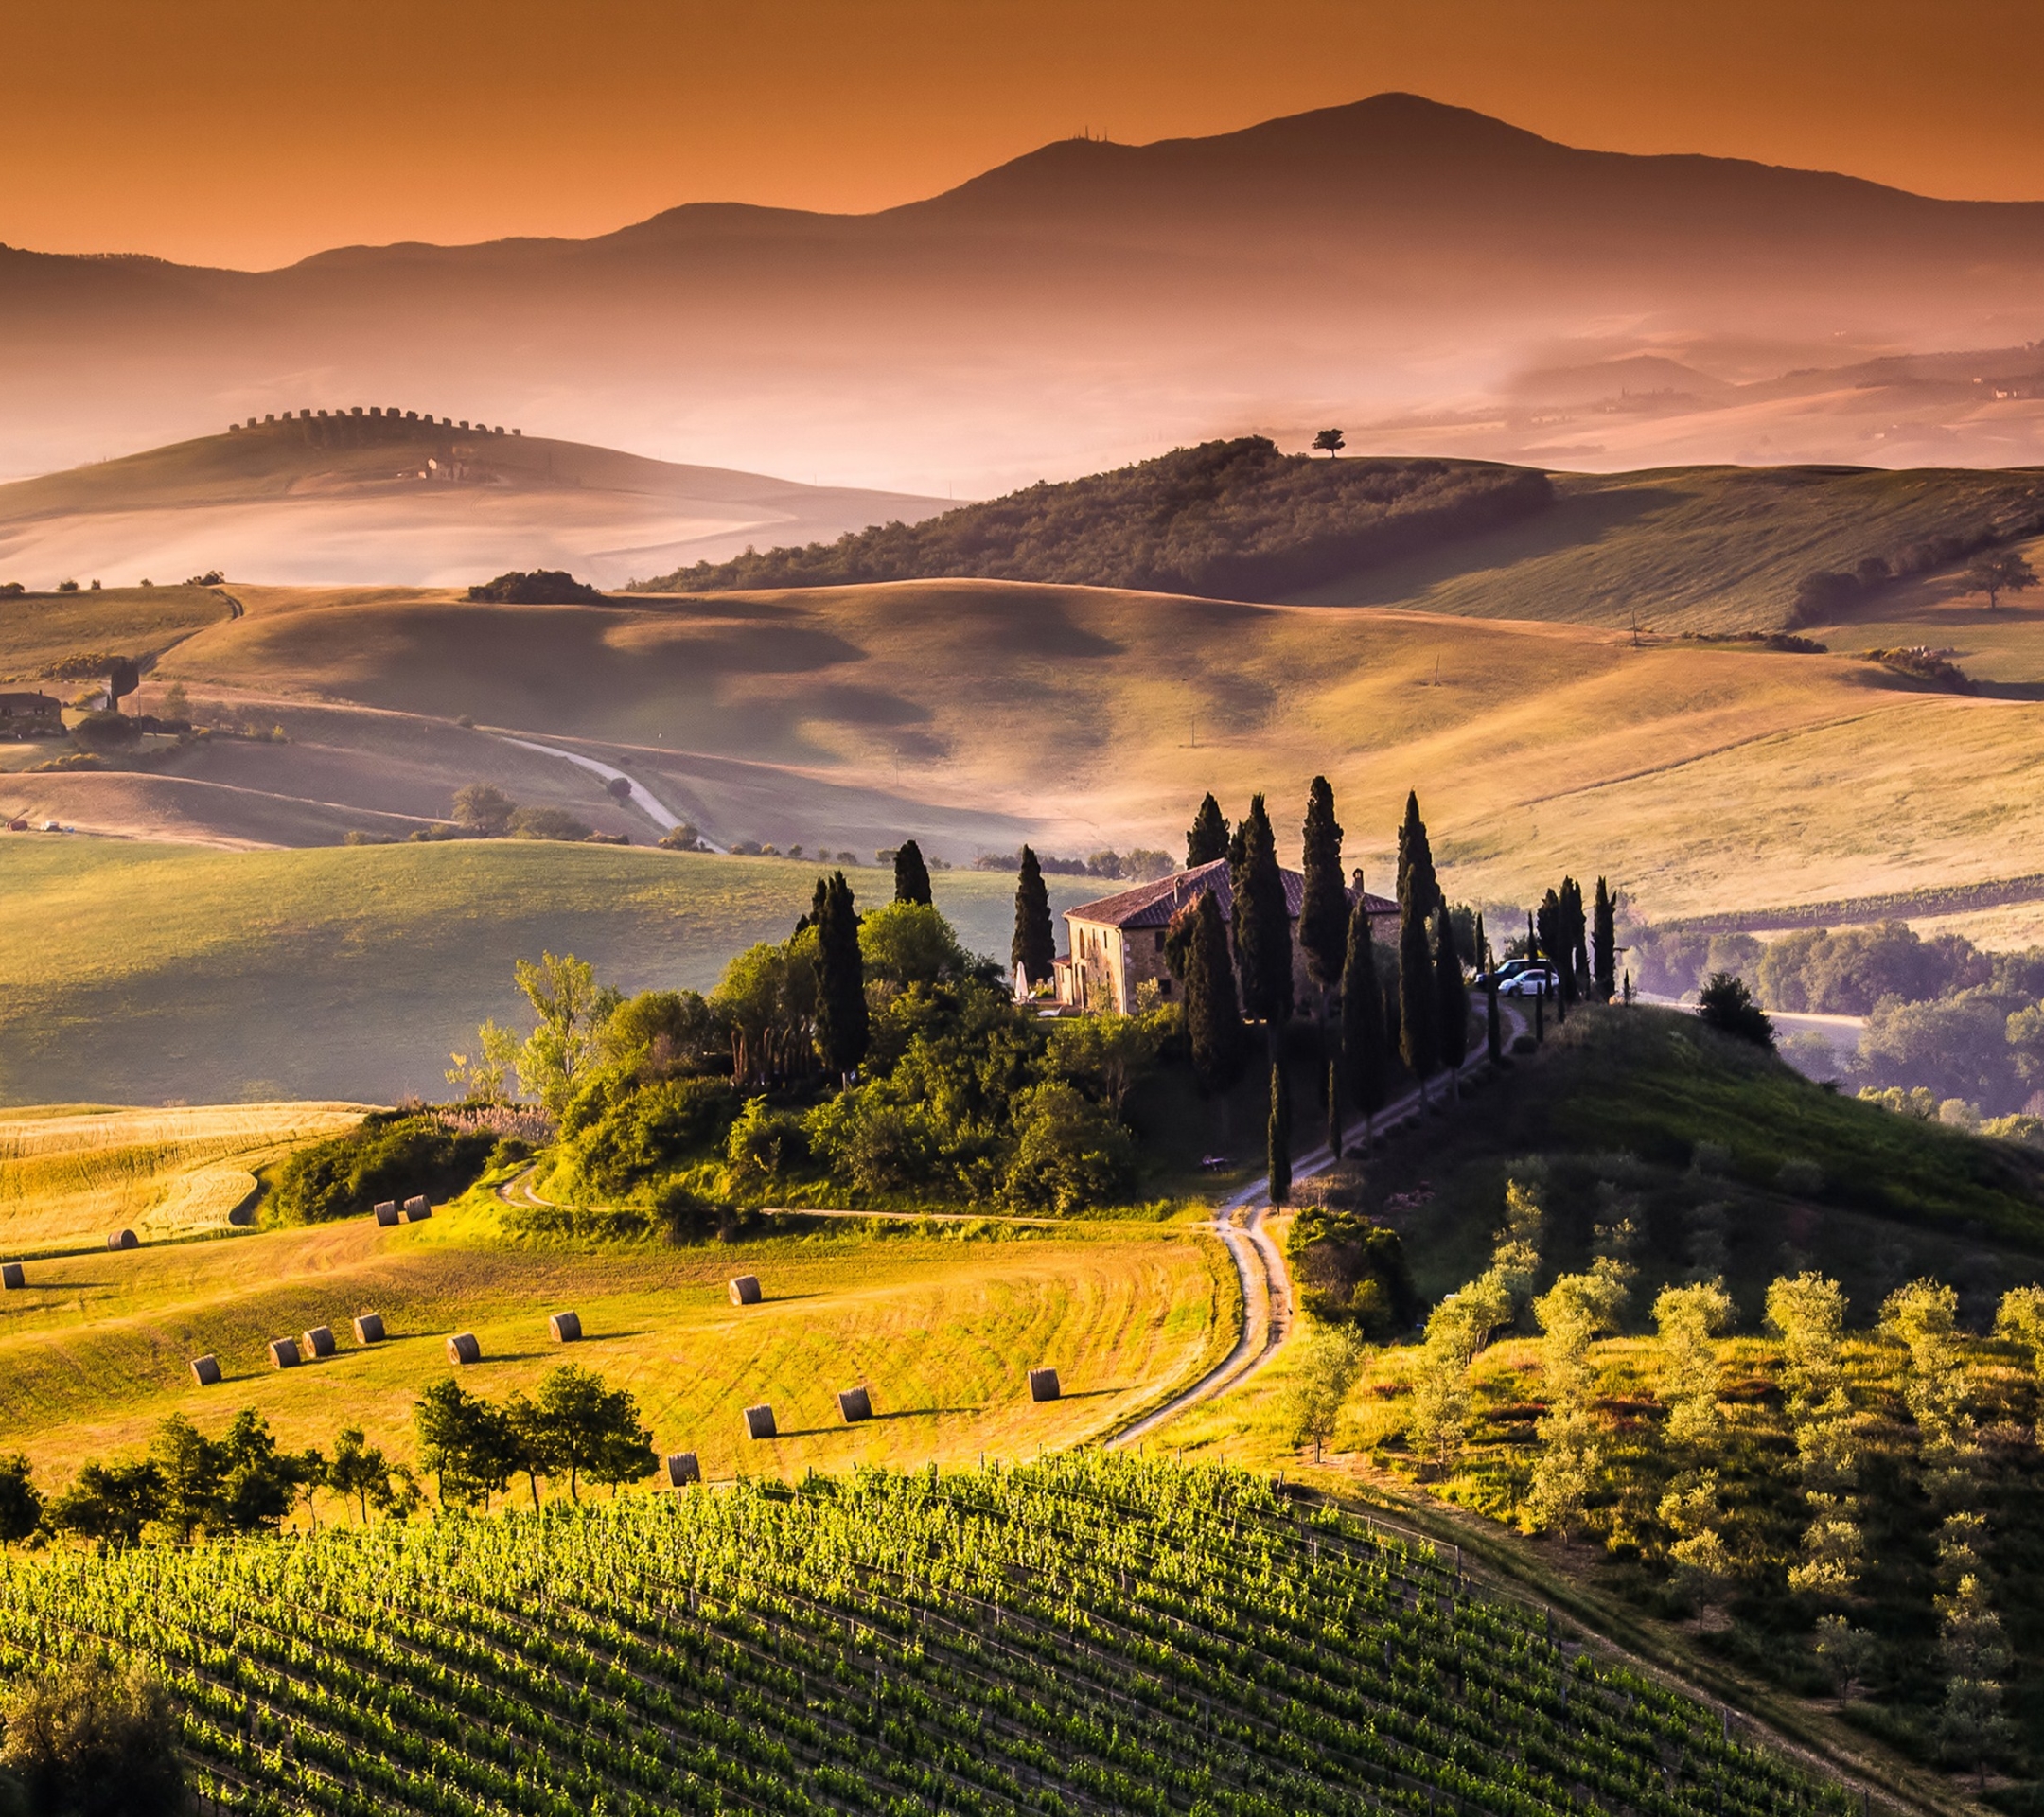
1142	865
1228	519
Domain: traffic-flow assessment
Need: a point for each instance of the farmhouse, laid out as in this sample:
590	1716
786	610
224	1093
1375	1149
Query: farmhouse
30	715
1116	944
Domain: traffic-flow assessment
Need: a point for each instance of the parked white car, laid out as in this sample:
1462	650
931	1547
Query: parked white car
1535	983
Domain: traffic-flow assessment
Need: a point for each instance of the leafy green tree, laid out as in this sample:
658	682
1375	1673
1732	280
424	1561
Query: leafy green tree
555	823
1069	1152
572	1010
1452	994
483	809
842	1029
1262	926
1278	1134
1213	1012
1207	838
581	1427
465	1442
1996	572
911	875
21	1506
1687	1318
357	1469
1107	1051
1849	1654
95	1740
1364	1047
1329	1362
1924	1318
190	1468
1034	947
1330	442
1604	944
111	1503
1438	1412
910	943
1971	1728
1725	1004
2018	1320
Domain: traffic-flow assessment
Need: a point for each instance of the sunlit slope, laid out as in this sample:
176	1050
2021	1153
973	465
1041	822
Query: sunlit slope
146	973
94	1351
73	1176
38	631
1092	715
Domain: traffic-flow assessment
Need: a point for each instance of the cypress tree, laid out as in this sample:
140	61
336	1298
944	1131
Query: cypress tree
1280	1128
1207	838
1604	944
911	875
1452	994
1036	944
1213	1013
1262	926
1482	960
1575	934
1322	928
1419	991
1493	1036
1552	921
1364	1048
841	1021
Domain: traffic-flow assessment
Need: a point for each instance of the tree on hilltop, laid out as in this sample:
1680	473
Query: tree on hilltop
1330	442
911	875
1034	947
483	809
1207	838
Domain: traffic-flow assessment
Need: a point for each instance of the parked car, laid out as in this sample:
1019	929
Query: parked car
1536	981
1505	972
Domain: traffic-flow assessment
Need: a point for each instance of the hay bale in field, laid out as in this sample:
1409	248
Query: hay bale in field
386	1211
759	1423
566	1327
417	1211
123	1239
462	1348
745	1290
205	1371
284	1354
855	1404
1044	1385
369	1329
682	1470
318	1341
11	1276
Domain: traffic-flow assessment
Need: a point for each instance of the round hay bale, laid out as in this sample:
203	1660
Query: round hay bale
284	1354
318	1341
855	1404
566	1327
759	1423
123	1239
417	1211
745	1290
369	1329
682	1470
206	1370
386	1211
11	1276
462	1348
1044	1385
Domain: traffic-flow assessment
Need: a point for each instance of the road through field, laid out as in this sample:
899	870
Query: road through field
1266	1283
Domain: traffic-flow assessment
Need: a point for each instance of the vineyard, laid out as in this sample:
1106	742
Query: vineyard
1086	1634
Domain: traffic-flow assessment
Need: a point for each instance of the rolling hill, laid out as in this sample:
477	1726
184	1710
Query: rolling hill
1385	262
395	499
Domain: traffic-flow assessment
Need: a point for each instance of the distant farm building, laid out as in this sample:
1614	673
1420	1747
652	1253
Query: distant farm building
30	715
1115	945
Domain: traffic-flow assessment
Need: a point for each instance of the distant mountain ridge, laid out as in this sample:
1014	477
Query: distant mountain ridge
1069	311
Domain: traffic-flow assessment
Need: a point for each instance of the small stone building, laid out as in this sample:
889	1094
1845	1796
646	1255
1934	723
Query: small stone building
1115	943
30	715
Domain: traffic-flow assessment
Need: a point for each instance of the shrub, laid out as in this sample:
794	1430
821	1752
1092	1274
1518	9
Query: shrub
1725	1004
910	942
1351	1271
1069	1152
94	1742
106	731
547	823
649	1130
542	587
764	1143
389	1155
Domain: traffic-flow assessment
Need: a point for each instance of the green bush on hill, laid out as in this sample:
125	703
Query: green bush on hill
1223	519
1352	1271
544	587
390	1154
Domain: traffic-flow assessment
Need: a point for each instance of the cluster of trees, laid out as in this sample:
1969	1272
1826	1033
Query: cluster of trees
574	1429
91	1739
1671	1502
1231	520
542	587
1142	865
1996	569
1943	1016
389	1155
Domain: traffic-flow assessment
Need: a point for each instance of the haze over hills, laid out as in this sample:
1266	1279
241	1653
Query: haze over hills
1393	263
386	497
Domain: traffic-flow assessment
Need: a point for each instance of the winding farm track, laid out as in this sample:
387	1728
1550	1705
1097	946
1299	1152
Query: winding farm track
1266	1283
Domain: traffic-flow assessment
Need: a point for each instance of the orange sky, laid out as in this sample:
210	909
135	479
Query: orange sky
252	131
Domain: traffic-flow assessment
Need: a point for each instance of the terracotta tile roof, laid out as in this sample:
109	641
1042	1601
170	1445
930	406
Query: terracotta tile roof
1153	905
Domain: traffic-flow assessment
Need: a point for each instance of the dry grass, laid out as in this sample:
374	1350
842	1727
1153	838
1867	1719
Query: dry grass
70	1178
943	1331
